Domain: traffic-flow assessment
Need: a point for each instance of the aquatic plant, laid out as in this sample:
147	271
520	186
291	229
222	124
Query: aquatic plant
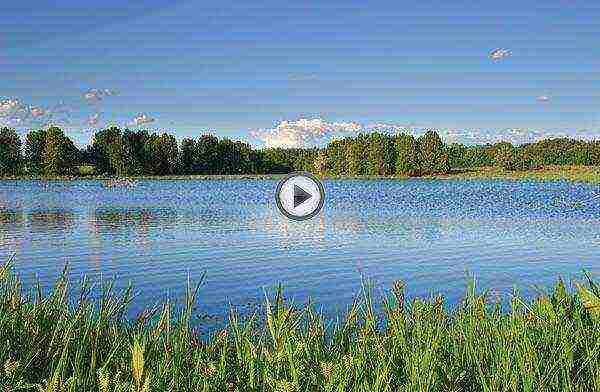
51	342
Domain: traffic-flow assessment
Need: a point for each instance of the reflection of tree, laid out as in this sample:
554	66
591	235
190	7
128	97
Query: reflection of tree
11	220
115	220
55	219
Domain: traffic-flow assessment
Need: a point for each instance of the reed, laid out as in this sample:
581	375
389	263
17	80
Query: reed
52	343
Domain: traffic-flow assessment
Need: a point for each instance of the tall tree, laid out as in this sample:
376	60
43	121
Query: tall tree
10	152
101	150
376	155
505	156
434	158
336	161
353	157
188	156
320	163
60	154
163	152
133	147
407	158
35	143
207	154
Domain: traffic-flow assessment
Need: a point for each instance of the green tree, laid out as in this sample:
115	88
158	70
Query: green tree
162	151
10	152
407	158
505	156
35	143
188	156
102	150
320	163
133	147
60	154
376	155
207	160
233	157
119	158
353	157
336	161
434	158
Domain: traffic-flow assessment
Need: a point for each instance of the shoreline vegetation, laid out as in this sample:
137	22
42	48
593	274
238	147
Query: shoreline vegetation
587	174
52	343
113	152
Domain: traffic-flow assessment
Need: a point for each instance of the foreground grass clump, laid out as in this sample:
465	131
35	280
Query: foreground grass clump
49	343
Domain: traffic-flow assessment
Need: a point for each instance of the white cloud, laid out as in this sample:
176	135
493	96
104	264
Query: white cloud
304	132
95	95
93	120
315	132
9	106
302	77
543	98
37	112
141	119
15	113
499	54
391	128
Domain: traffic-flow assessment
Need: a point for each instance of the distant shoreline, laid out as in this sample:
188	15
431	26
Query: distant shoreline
587	174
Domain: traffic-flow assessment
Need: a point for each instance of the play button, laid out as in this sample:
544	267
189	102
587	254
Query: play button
300	196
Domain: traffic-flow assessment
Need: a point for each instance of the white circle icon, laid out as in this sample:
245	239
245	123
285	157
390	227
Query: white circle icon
300	196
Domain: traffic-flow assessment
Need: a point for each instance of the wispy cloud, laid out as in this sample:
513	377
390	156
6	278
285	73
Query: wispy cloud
95	95
499	54
302	77
543	98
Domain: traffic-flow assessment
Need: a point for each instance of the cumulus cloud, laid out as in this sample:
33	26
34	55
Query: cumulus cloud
141	119
304	132
13	112
37	112
499	54
9	106
318	132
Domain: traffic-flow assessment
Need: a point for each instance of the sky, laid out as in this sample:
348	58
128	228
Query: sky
281	73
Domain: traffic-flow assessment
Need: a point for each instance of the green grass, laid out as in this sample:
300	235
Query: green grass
589	174
551	343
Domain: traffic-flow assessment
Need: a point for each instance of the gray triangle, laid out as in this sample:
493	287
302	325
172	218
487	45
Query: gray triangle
300	196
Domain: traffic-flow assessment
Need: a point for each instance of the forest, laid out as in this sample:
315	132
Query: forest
116	152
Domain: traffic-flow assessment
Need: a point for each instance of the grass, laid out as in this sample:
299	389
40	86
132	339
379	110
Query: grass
589	174
52	344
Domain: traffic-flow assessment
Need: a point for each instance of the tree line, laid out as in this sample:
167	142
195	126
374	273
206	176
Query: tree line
117	152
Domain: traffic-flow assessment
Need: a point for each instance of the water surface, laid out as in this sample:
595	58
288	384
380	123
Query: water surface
428	233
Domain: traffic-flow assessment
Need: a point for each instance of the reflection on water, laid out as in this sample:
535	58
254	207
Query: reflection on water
427	233
118	219
10	218
49	220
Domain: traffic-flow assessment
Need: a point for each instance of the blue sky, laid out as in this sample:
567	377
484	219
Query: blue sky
235	67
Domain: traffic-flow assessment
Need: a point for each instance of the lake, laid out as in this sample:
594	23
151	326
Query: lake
427	233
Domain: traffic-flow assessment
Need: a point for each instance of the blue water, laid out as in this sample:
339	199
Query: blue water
428	233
